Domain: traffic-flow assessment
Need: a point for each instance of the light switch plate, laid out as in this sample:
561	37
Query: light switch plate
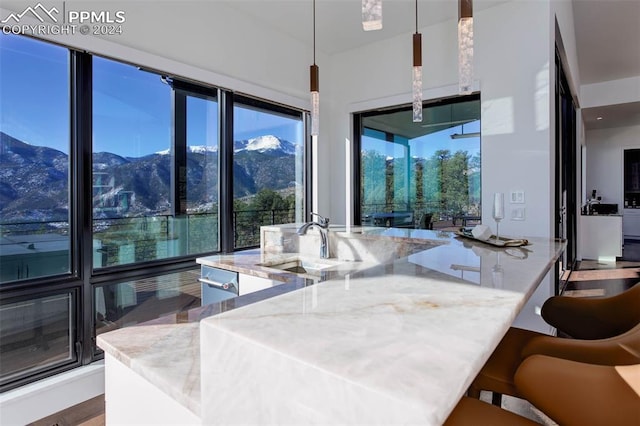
517	213
517	197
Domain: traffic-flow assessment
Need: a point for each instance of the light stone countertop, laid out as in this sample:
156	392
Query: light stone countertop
396	341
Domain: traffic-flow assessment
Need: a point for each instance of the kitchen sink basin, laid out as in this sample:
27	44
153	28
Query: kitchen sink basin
301	265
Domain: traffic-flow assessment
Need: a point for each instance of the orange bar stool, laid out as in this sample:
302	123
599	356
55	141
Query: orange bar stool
497	375
594	317
471	411
580	394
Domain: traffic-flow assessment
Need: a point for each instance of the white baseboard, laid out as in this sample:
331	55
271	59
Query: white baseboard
48	396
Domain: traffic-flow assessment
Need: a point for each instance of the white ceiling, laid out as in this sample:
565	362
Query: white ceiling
338	27
608	39
607	35
608	43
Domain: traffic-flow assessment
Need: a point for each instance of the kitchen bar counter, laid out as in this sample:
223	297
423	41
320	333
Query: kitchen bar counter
393	341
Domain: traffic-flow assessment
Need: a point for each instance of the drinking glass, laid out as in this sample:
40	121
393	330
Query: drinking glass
498	211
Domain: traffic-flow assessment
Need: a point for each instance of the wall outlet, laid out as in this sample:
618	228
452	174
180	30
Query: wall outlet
517	197
517	213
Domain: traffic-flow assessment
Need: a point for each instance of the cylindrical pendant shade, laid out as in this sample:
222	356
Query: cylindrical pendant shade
314	78
417	78
465	46
417	94
314	87
371	15
315	113
465	55
465	9
417	50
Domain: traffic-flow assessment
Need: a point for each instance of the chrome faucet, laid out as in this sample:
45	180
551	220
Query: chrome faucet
323	225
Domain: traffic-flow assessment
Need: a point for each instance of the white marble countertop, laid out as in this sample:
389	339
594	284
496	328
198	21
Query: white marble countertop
393	342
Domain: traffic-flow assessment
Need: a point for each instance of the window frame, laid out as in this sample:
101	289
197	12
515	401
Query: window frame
277	109
358	130
82	278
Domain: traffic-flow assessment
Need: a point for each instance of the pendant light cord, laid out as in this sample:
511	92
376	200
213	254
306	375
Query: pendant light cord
416	16
314	32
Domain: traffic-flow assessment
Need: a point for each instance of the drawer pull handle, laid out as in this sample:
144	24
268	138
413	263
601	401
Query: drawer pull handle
226	286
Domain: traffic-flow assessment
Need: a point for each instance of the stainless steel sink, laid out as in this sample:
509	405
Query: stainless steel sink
302	265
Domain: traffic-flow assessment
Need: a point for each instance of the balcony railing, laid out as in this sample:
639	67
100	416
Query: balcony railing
126	240
129	240
409	214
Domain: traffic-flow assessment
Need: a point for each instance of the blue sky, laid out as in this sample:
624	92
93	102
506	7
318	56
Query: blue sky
34	92
132	108
426	146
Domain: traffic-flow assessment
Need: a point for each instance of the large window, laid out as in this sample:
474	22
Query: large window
268	166
113	180
34	159
37	333
154	167
425	174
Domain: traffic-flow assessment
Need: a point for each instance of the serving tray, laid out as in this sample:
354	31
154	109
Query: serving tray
500	242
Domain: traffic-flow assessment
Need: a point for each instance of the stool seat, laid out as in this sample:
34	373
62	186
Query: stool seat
575	393
594	317
471	411
497	375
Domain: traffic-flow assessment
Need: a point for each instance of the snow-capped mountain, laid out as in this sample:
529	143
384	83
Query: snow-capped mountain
34	180
270	143
195	149
265	144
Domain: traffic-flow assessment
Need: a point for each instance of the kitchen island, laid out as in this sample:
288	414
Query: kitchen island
394	335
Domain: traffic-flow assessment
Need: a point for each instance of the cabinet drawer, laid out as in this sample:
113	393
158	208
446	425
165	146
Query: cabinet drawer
217	284
218	276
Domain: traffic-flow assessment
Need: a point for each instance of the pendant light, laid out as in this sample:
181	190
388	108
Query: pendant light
465	46
371	15
315	83
417	73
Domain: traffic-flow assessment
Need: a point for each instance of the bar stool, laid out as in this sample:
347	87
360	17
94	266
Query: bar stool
594	318
497	375
575	393
471	411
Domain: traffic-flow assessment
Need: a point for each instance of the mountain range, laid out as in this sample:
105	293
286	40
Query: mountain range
34	179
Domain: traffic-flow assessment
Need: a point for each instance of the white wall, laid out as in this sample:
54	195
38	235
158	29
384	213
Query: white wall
45	397
513	73
612	92
605	162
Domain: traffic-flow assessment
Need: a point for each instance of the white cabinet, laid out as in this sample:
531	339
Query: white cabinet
601	237
132	400
249	283
219	284
631	223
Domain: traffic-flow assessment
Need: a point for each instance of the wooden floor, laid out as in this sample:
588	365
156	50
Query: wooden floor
582	283
88	413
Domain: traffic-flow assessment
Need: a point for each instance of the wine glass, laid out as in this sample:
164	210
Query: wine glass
498	211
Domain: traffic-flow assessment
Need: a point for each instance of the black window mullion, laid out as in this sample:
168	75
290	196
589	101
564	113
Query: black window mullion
81	207
179	155
308	167
356	182
225	172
